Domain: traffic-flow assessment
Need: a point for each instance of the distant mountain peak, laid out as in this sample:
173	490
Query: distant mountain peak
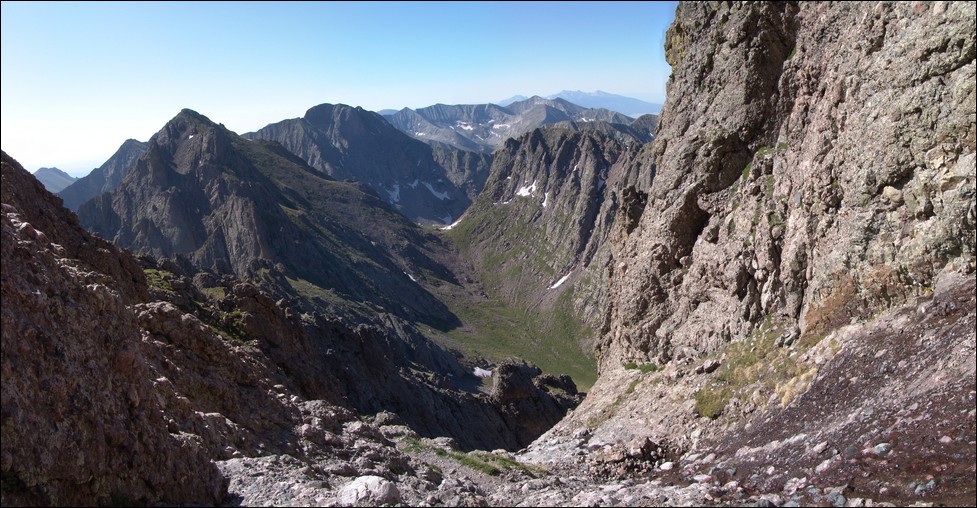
600	99
54	179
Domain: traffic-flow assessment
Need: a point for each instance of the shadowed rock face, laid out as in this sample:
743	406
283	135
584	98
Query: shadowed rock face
252	209
428	185
75	383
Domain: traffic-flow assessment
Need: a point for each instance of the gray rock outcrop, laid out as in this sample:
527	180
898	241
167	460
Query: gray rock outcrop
806	172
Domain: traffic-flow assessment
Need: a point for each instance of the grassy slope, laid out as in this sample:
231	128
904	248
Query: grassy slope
496	328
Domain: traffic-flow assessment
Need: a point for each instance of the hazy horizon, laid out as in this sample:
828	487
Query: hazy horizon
78	79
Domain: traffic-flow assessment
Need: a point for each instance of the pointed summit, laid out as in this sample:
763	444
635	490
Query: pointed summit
257	211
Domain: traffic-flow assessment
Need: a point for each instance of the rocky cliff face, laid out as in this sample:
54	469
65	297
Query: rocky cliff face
812	207
75	383
104	178
808	173
354	144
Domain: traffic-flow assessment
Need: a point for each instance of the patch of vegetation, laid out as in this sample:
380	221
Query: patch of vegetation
496	330
643	367
160	280
711	400
768	185
758	368
793	53
215	293
492	464
412	445
327	297
476	464
746	171
488	463
763	151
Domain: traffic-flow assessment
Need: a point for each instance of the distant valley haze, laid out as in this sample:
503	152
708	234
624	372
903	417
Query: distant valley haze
78	79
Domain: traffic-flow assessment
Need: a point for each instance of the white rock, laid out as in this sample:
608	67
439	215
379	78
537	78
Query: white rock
368	489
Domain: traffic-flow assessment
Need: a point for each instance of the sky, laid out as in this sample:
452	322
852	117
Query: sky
78	78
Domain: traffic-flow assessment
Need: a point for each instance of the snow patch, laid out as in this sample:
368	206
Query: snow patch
411	276
440	195
191	136
394	194
501	126
561	281
546	198
452	225
413	185
527	191
480	372
465	125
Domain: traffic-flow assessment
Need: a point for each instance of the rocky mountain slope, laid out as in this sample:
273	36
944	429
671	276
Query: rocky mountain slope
427	185
332	252
218	381
795	296
485	127
781	287
538	234
53	178
252	209
104	178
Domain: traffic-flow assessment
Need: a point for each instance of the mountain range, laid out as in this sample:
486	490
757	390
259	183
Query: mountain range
428	185
255	210
627	106
770	302
484	127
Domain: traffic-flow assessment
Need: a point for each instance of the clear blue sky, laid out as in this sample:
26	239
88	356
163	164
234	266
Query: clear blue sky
80	78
